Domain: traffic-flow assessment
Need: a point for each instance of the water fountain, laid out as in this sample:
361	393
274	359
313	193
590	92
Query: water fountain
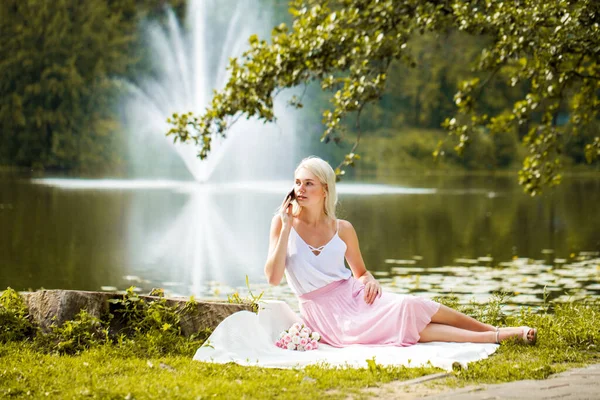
189	61
206	239
190	222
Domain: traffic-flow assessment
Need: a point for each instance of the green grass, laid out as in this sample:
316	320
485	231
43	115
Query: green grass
156	364
568	337
108	372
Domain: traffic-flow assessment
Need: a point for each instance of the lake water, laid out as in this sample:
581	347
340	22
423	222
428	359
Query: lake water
469	236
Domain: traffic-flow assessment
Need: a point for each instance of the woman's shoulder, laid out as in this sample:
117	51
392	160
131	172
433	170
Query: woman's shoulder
344	226
276	223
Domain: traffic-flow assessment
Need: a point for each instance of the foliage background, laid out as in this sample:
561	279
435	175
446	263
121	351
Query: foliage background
61	63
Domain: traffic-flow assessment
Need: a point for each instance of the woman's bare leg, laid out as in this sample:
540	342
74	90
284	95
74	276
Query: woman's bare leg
455	319
447	316
435	332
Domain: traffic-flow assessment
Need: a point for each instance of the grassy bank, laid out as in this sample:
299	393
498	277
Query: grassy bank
107	372
155	364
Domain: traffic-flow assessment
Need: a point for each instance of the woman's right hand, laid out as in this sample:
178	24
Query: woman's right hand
285	212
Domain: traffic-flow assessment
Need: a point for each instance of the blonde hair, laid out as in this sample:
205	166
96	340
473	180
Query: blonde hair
325	174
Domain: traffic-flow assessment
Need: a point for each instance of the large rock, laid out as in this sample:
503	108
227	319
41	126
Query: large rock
48	307
204	315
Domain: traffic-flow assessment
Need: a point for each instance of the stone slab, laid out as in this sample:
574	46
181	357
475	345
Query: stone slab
47	307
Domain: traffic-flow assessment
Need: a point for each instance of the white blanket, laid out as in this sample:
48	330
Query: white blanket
246	338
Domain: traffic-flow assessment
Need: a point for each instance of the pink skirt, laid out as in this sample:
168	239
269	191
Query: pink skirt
339	313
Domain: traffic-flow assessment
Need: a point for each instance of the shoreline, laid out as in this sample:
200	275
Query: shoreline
157	362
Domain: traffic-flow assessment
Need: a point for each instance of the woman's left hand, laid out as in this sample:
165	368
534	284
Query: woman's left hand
372	291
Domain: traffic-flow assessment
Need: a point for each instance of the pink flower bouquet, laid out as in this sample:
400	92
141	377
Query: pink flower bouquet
299	337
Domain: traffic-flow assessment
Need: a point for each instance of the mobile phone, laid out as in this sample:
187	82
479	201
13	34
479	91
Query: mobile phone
291	195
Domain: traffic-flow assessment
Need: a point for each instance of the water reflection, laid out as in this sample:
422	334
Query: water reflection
203	233
424	236
186	236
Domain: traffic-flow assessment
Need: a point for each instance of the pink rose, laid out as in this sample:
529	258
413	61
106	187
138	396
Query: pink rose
308	346
287	339
304	342
315	344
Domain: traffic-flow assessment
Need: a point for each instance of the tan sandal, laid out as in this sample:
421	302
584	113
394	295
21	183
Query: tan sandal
525	330
525	335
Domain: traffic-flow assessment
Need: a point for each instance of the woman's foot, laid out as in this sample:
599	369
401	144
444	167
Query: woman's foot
523	334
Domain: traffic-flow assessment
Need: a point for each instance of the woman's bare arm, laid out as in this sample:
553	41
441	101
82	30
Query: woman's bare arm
275	265
354	258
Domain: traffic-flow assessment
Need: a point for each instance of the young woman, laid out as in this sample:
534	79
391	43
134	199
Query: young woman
308	245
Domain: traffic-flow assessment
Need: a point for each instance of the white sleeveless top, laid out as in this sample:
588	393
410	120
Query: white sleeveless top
305	271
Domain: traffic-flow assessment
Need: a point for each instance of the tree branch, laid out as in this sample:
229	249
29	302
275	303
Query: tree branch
583	76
